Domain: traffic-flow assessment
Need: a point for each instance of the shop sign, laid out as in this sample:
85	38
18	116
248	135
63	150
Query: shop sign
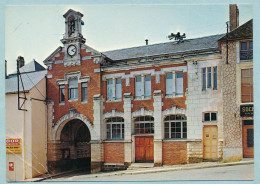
13	145
247	110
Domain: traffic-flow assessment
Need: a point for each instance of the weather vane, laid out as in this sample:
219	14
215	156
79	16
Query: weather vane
177	36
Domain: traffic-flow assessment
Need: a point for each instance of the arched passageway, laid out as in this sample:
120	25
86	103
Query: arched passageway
75	146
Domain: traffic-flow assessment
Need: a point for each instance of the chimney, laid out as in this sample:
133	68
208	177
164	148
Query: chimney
20	61
5	69
233	17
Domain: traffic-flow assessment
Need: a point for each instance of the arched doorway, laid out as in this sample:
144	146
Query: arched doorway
75	145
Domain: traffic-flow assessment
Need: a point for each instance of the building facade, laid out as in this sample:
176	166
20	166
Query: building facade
238	92
163	103
26	130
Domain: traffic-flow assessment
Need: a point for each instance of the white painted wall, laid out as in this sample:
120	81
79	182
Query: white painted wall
199	101
30	126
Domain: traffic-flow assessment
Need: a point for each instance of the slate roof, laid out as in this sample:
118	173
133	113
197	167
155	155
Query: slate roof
242	32
32	66
29	80
168	48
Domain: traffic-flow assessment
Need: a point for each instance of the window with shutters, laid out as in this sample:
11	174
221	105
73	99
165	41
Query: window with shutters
114	89
174	84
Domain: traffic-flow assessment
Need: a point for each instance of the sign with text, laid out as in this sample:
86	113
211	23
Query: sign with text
13	145
247	110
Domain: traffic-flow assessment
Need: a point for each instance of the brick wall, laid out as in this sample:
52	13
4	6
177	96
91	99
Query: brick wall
148	103
174	153
114	152
94	86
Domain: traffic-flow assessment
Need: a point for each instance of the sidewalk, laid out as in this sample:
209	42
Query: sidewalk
142	170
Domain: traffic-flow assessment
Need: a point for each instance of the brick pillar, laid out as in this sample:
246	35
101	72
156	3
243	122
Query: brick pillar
97	148
53	152
128	128
158	136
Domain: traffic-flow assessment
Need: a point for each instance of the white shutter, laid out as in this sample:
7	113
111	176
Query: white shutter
147	86
109	89
179	83
138	87
169	84
118	89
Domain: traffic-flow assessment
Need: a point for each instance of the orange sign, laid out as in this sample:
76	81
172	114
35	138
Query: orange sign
13	145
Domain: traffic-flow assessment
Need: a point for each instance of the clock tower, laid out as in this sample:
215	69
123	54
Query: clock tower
73	39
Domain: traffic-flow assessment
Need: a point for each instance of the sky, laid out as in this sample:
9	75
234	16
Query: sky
34	32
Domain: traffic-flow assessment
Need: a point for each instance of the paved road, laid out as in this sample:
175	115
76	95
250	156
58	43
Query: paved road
237	172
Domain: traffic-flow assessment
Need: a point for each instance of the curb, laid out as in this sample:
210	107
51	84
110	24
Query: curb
159	169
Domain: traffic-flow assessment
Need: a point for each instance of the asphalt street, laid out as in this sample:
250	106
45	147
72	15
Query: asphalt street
236	172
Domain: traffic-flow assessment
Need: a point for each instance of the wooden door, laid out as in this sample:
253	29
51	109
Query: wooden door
144	149
248	139
210	142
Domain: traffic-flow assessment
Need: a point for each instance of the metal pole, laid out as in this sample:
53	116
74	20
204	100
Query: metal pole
18	83
227	43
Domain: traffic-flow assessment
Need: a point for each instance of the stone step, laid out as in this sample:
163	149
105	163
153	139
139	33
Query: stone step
140	165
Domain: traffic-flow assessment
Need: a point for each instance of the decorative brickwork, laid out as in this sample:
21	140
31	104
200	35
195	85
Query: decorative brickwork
174	152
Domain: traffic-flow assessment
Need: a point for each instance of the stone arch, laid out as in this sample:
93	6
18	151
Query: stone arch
66	118
142	112
174	110
113	114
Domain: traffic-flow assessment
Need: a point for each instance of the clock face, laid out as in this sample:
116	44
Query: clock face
72	50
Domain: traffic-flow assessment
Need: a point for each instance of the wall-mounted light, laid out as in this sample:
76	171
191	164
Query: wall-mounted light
195	62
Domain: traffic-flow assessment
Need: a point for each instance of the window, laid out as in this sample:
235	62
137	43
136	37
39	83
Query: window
210	116
62	93
174	82
110	89
246	50
215	78
175	127
114	89
73	88
203	79
169	84
247	92
209	77
179	83
84	92
118	89
147	86
138	87
144	125
115	128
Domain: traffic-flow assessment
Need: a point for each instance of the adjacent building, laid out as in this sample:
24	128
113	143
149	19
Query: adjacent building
238	102
26	130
